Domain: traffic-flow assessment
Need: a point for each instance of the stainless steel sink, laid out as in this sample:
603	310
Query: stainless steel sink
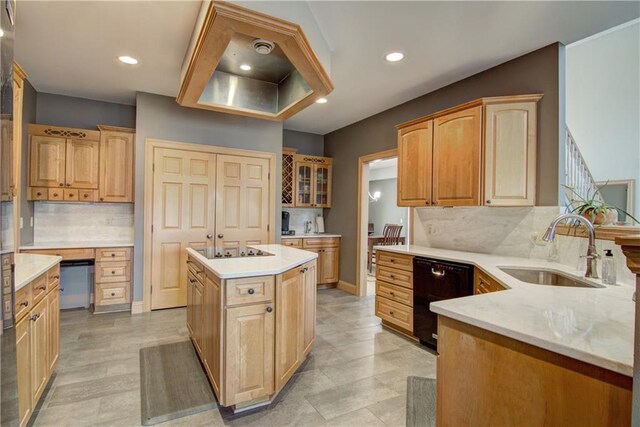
548	277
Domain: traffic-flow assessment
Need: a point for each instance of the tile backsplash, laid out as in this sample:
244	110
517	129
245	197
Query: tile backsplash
298	216
62	222
513	232
7	226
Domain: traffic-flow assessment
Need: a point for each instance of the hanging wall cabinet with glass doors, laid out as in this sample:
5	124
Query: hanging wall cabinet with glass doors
312	187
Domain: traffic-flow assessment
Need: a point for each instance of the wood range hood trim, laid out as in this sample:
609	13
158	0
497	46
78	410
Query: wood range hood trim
219	22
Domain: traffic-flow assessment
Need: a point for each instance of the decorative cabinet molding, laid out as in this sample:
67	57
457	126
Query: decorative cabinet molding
479	153
98	165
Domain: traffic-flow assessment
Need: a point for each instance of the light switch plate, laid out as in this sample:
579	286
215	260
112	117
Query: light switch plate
21	223
30	221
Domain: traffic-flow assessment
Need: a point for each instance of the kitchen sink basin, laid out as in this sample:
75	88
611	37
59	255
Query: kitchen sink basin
547	277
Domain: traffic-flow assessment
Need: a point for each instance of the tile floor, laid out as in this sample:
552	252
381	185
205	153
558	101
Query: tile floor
355	376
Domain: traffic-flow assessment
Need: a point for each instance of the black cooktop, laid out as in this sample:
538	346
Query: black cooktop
237	252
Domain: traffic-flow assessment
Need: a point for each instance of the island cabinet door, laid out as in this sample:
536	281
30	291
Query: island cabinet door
23	356
190	286
309	290
197	315
249	352
211	331
289	324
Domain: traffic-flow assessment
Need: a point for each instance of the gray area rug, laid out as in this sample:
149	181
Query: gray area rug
173	383
421	402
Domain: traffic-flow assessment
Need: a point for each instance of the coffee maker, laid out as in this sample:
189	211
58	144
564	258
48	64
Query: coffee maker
285	225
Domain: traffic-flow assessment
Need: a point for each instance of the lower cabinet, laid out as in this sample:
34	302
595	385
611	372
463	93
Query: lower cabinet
37	340
328	264
211	312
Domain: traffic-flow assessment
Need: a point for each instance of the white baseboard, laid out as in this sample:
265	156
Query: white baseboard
348	287
136	307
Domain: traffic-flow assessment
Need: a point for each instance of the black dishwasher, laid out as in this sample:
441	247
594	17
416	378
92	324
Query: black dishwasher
436	281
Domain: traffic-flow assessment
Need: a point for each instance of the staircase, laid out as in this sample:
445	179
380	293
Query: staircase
576	173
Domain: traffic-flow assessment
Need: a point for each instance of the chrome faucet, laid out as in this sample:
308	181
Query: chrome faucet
592	256
307	227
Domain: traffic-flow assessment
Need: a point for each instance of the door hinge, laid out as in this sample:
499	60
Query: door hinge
269	175
153	167
268	227
152	228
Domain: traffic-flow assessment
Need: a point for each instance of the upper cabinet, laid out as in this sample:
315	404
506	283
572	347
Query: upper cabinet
306	180
479	153
89	165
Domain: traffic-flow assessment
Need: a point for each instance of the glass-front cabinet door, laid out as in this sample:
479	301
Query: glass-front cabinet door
304	186
322	186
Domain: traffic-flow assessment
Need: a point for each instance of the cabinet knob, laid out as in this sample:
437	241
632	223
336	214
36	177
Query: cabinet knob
392	276
55	194
102	199
269	309
209	236
488	202
25	303
113	254
113	294
113	272
68	185
251	291
38	194
391	313
220	236
61	185
85	195
391	293
427	203
35	317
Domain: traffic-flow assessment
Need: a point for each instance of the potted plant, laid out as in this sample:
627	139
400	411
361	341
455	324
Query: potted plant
594	208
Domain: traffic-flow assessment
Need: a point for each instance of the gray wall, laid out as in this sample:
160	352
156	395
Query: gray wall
535	72
162	118
306	143
83	113
386	210
29	104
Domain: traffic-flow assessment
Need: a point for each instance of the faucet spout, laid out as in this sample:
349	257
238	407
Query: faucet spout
592	256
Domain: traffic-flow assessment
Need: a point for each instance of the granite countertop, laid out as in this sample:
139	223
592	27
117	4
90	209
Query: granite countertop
311	235
76	244
594	325
284	258
30	266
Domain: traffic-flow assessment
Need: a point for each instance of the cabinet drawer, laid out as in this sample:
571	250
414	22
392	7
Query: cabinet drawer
113	272
395	276
320	242
86	195
484	284
39	193
113	254
56	194
53	277
249	290
66	254
112	293
396	313
394	293
39	288
23	303
390	259
70	194
195	268
294	243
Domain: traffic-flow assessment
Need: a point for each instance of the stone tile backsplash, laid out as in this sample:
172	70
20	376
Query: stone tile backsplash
298	216
63	222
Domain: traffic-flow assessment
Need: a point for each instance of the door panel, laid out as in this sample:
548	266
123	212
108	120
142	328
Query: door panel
322	186
47	161
303	189
82	167
54	327
183	216
242	202
289	308
211	334
456	158
39	330
329	265
415	151
23	358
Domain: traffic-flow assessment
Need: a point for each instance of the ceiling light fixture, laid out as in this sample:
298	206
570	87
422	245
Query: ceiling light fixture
394	56
128	60
245	67
321	100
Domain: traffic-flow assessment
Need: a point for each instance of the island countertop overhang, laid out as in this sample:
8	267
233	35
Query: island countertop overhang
284	258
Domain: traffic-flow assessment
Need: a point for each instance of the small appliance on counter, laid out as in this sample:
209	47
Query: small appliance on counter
285	225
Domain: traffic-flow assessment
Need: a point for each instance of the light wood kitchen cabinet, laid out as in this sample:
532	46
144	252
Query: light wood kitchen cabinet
23	350
116	164
82	164
39	328
313	181
510	149
47	161
211	330
328	263
394	291
289	328
53	308
483	283
415	153
441	161
197	301
309	292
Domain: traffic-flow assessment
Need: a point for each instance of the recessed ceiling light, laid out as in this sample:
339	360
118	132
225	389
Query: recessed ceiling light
245	67
394	56
321	100
128	60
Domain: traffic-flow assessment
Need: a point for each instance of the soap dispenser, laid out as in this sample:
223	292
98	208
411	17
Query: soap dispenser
608	268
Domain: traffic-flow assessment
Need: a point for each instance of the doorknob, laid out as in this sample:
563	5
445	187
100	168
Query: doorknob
209	236
220	236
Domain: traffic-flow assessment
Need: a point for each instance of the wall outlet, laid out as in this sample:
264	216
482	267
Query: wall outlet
21	223
31	222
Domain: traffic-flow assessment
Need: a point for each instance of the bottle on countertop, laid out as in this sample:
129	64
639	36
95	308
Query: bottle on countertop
608	268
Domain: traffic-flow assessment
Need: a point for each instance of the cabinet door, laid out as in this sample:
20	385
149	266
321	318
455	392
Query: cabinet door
329	265
309	290
116	167
456	158
23	358
415	158
211	333
47	159
39	331
322	186
289	294
82	163
304	185
197	315
510	154
53	308
249	353
190	285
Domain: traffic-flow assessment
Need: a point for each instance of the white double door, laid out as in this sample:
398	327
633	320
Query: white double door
202	199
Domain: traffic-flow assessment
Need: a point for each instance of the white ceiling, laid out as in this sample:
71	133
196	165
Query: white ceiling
382	164
71	47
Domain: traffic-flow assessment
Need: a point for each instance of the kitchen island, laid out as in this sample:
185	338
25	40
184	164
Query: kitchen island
251	319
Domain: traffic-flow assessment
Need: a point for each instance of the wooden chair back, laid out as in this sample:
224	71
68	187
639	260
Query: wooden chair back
391	234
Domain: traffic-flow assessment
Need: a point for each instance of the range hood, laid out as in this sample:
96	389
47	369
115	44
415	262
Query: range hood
244	62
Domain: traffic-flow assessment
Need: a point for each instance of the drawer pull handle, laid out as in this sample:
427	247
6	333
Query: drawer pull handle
38	194
35	317
192	281
269	309
25	304
113	254
437	273
391	313
42	288
61	185
55	194
392	260
55	277
251	291
85	195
